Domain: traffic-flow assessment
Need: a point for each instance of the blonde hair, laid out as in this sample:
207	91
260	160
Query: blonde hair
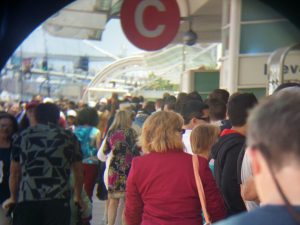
203	137
162	132
122	120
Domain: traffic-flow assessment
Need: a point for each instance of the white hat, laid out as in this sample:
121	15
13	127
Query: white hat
71	112
48	100
103	100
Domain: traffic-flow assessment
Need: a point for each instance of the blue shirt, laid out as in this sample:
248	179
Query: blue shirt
87	136
266	215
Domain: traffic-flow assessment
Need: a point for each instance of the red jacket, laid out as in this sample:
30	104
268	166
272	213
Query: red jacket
161	190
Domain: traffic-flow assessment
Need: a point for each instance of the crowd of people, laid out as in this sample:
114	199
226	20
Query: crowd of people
178	160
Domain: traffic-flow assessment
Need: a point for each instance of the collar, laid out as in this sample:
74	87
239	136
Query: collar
229	131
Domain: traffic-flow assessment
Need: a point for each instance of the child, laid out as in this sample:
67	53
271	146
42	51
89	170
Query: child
203	137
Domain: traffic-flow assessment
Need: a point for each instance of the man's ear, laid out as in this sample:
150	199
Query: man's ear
194	121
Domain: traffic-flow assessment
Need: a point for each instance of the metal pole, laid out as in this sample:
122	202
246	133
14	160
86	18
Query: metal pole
47	72
234	43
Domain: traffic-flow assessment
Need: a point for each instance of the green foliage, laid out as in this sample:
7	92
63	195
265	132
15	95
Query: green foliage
158	83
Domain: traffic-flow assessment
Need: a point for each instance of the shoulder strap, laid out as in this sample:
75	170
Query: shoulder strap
200	189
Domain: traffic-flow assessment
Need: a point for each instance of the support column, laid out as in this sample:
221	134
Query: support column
234	45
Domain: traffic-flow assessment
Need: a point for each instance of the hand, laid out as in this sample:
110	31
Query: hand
8	203
82	205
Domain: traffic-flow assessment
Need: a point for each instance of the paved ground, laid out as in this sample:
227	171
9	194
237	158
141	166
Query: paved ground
98	212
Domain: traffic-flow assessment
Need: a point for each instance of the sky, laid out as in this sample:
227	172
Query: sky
112	44
113	41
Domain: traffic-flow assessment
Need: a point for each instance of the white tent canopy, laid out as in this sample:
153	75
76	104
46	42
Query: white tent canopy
86	19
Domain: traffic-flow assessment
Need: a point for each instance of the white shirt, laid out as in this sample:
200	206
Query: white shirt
246	172
187	141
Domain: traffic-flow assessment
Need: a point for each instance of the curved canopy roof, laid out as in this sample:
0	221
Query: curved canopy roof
136	72
19	18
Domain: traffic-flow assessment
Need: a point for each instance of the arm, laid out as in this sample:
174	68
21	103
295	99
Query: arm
77	170
133	204
248	190
99	139
100	154
14	183
214	201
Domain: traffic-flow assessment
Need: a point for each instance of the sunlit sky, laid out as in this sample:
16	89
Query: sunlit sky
113	41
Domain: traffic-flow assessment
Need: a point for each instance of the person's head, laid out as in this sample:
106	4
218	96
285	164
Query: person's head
203	137
239	105
122	120
220	94
194	112
159	104
181	99
273	138
47	113
194	95
286	85
217	109
165	95
30	112
71	117
72	105
274	128
169	103
14	109
114	103
8	125
37	98
162	132
148	107
88	116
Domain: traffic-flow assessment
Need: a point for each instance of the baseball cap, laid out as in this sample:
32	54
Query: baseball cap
71	112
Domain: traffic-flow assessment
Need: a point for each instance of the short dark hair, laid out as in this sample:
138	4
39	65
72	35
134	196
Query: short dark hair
149	107
170	102
217	109
274	127
5	115
181	99
239	105
88	116
47	113
194	95
191	109
220	94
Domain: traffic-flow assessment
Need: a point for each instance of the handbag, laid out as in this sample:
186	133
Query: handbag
200	189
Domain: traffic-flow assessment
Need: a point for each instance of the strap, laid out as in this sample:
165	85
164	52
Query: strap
200	189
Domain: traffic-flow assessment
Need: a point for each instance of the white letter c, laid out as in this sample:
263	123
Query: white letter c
138	17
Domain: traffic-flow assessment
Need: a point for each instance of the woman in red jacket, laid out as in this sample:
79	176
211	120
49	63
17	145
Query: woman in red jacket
161	188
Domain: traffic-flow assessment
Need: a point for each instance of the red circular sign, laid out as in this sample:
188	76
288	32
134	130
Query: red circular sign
150	24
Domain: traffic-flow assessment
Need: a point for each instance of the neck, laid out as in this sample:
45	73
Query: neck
187	127
205	154
289	180
241	130
4	141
